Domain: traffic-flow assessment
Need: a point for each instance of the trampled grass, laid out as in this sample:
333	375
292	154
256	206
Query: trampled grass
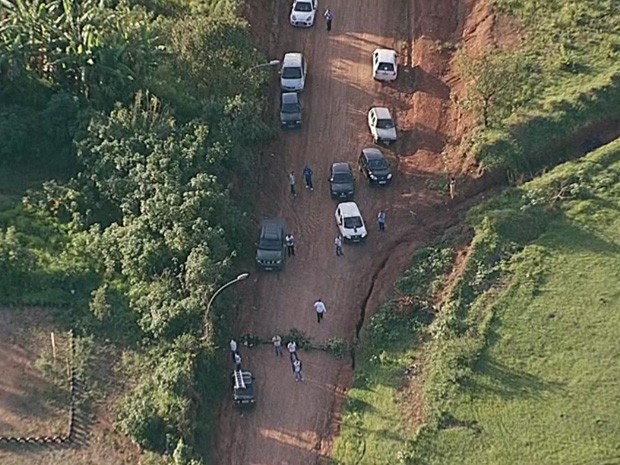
546	388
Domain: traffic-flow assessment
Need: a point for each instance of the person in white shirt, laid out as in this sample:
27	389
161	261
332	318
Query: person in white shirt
277	345
319	308
292	350
237	362
299	376
233	349
338	242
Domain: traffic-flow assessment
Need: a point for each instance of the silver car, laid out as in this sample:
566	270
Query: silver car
293	72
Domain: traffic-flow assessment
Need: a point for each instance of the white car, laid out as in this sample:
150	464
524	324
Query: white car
293	72
350	222
303	13
381	125
384	65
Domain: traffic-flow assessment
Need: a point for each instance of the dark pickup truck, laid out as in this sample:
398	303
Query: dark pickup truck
271	244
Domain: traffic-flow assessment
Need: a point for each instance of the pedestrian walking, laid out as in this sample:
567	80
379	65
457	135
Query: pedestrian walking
320	309
237	361
292	350
338	242
289	240
329	17
299	376
277	345
452	186
381	220
291	181
308	177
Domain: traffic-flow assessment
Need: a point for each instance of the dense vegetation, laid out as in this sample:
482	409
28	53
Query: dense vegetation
536	96
522	359
133	123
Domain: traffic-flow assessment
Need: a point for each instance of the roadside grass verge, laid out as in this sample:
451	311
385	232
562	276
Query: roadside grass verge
523	368
373	431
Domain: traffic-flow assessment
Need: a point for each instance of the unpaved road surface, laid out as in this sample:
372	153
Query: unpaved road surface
294	423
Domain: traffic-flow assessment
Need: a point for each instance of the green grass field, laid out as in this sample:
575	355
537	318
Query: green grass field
547	388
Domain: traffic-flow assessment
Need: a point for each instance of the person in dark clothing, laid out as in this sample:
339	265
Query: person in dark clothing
308	177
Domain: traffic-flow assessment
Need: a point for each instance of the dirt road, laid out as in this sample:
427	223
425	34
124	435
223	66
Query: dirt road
293	422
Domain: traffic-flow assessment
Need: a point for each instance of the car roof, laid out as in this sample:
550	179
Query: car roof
386	54
341	167
382	112
273	226
292	59
373	153
349	209
290	97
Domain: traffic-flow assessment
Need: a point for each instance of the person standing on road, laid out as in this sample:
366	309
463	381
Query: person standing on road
289	240
308	177
338	242
381	220
277	345
299	376
452	187
291	181
233	349
320	309
237	361
329	17
292	350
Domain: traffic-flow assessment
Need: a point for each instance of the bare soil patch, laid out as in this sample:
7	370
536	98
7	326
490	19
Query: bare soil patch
35	401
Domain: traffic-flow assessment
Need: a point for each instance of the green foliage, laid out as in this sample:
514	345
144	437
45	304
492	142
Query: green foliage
503	354
158	412
496	84
337	347
562	79
147	112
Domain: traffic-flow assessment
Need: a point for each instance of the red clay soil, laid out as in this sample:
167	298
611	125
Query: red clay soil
295	423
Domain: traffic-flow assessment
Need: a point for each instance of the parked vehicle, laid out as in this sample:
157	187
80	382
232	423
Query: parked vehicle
303	13
381	125
293	72
244	394
350	222
374	166
270	247
290	110
384	64
341	181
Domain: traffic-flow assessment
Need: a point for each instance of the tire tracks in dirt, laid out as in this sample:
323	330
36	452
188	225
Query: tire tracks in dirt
295	423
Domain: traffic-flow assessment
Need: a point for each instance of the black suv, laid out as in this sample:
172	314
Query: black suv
290	110
243	388
341	182
271	243
374	166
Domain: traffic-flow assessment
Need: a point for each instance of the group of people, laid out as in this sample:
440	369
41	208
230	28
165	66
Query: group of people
296	364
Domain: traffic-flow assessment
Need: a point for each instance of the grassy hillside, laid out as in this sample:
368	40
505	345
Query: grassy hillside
565	78
523	359
543	385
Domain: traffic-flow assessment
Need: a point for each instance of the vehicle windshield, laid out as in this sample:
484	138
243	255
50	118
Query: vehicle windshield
304	7
270	244
386	66
291	73
290	108
352	222
385	124
341	178
378	164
